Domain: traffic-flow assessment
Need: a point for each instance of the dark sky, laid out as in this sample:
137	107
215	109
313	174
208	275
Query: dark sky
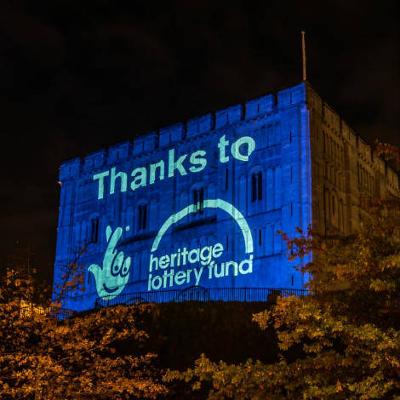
79	75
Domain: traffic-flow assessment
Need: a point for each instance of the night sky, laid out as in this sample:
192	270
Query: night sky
77	77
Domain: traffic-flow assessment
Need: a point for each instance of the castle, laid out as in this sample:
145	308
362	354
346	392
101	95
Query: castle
201	204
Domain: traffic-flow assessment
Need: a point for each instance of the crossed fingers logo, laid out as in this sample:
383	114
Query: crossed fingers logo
112	277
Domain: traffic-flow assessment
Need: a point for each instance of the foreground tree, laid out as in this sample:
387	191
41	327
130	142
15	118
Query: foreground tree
345	333
98	355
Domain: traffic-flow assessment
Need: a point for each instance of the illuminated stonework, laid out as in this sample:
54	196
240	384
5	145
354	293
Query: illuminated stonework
201	203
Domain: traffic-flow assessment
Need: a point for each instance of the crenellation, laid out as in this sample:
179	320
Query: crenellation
392	178
94	161
118	152
331	119
175	133
314	100
379	164
345	131
292	96
353	138
146	143
365	150
150	142
260	106
199	125
137	147
228	116
172	134
70	169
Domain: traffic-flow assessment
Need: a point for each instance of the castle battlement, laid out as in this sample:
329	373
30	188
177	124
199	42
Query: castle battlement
173	134
201	203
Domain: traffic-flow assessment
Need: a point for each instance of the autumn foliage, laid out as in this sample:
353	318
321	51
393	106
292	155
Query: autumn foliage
99	355
342	341
345	334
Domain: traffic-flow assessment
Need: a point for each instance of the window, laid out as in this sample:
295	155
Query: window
226	179
142	217
198	199
326	202
94	230
256	186
89	279
340	212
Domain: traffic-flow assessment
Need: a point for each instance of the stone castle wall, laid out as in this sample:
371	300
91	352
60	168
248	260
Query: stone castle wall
347	173
307	167
279	166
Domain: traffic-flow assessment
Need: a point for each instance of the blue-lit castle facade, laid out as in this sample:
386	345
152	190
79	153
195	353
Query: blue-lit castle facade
198	206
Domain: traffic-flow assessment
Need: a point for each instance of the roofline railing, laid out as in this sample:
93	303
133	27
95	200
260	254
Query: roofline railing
194	294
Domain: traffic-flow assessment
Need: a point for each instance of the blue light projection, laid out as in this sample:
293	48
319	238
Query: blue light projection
195	204
197	161
204	256
113	275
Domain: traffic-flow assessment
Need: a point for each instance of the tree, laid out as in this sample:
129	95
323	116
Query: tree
345	333
98	355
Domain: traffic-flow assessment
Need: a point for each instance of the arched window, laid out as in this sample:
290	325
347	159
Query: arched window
89	279
142	217
327	204
340	212
94	230
226	178
256	186
129	220
198	199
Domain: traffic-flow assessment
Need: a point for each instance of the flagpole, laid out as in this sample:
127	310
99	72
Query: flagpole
303	52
